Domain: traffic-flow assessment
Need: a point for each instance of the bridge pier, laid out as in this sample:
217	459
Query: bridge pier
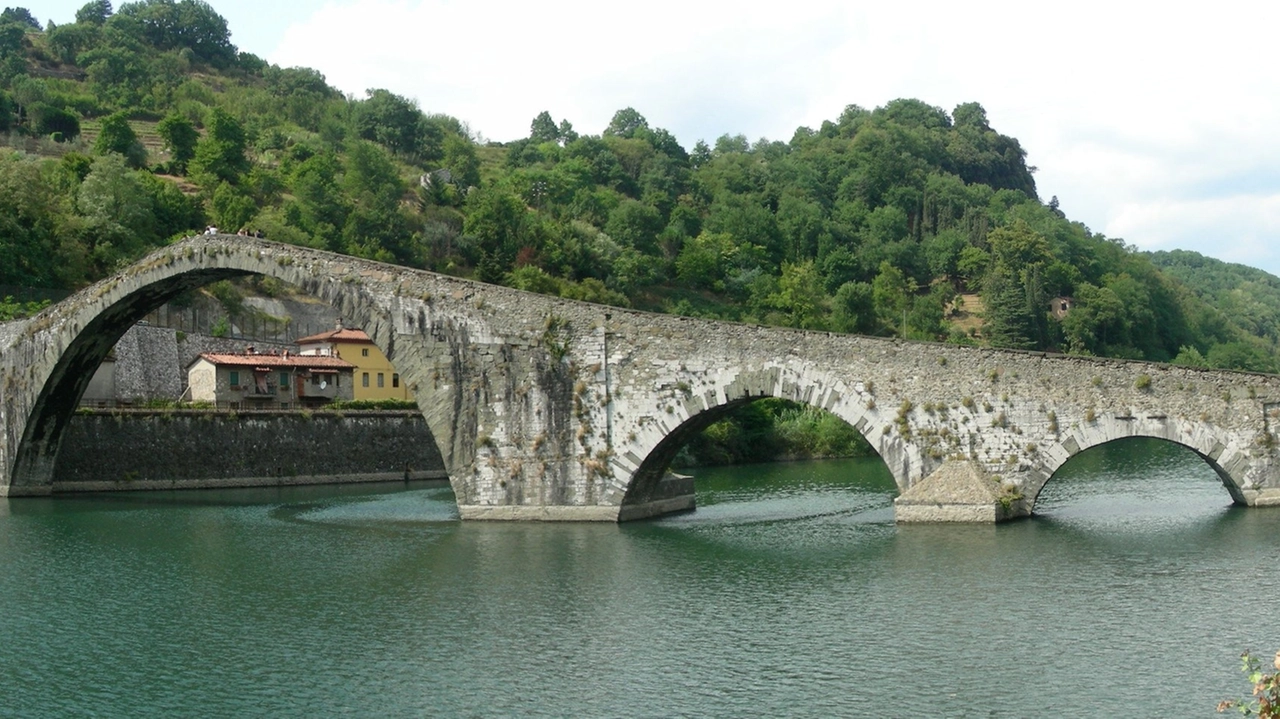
673	494
961	491
39	490
1261	497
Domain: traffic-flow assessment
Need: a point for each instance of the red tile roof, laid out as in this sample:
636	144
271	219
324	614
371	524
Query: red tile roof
346	334
292	360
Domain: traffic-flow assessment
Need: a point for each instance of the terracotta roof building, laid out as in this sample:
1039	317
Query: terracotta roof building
341	334
375	377
269	381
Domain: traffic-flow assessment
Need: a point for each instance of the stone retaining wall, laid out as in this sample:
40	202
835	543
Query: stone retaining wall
148	449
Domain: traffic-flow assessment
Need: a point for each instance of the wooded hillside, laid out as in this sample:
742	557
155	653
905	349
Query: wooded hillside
134	125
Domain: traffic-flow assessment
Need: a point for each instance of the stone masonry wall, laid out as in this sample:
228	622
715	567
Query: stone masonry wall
156	449
151	362
147	364
541	403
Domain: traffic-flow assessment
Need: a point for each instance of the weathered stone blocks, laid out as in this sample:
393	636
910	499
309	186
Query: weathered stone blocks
179	449
547	408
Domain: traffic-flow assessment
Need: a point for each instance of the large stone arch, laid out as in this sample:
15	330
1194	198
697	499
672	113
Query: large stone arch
690	412
1211	444
51	365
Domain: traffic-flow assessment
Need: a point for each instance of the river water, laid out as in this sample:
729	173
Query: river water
789	592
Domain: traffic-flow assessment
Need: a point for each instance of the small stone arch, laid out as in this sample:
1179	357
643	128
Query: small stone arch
696	412
1200	438
67	341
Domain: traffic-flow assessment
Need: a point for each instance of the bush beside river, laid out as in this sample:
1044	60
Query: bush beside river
771	430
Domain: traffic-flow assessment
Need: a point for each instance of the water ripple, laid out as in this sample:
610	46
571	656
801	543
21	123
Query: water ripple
789	592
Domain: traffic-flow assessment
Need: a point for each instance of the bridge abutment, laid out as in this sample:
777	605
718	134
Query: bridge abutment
25	490
1263	497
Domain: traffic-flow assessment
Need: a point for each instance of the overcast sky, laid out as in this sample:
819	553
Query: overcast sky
1150	123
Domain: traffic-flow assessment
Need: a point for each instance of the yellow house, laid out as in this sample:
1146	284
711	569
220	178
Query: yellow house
375	377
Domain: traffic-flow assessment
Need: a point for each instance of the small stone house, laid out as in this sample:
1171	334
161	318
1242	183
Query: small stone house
1059	307
269	381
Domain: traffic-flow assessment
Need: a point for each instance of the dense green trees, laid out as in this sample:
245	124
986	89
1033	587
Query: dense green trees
20	16
94	12
115	135
878	221
220	155
53	122
180	138
397	124
188	25
762	431
29	233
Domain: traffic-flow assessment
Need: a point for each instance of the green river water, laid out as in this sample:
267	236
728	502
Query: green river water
789	592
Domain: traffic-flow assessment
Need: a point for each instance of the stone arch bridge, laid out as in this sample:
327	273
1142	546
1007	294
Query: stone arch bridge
545	408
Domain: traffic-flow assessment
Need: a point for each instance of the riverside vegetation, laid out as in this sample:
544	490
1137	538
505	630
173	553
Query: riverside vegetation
1265	703
132	126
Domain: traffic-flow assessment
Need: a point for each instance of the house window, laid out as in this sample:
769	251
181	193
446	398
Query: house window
364	379
315	379
395	380
364	351
284	380
235	378
379	379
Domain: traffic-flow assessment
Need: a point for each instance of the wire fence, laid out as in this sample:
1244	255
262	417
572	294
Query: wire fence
215	322
255	327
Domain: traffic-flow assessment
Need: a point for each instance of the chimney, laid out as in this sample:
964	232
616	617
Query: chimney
338	324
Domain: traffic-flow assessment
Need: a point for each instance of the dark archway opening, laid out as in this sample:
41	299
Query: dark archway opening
278	429
1133	479
760	446
771	430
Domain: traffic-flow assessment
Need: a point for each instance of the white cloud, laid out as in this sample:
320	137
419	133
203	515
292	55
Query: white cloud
1138	116
1251	222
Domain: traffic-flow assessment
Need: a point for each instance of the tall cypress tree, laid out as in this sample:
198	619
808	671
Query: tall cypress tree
1009	321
